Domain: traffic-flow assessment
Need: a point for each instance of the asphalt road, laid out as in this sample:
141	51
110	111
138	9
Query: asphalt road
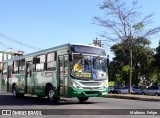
115	107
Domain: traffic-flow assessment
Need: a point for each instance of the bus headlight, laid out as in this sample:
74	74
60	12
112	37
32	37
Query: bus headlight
104	87
76	86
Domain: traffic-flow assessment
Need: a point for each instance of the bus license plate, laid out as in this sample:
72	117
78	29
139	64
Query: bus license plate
104	93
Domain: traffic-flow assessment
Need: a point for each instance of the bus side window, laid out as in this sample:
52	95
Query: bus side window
5	69
51	63
66	65
15	66
34	64
40	62
21	65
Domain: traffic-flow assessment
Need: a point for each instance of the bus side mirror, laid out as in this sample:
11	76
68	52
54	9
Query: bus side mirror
107	62
70	57
36	60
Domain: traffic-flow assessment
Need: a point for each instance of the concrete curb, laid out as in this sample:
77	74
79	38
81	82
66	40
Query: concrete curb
135	97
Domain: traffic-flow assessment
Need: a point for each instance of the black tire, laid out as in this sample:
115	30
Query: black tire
15	92
156	94
39	96
51	95
83	99
143	93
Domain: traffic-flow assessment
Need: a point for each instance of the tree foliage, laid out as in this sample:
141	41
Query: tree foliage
157	57
142	61
156	65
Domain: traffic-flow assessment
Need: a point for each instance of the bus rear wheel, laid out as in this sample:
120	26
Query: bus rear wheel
83	99
51	94
15	92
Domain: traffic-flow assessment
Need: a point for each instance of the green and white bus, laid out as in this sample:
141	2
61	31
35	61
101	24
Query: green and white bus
70	70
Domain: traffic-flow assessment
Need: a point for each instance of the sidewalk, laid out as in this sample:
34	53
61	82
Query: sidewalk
2	92
135	97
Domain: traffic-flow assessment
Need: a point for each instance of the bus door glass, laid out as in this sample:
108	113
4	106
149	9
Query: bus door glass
4	77
63	75
28	82
9	77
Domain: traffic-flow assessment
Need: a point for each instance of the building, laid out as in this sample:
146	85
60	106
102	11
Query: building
7	55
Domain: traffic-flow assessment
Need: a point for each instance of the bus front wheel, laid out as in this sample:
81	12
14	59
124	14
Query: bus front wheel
83	99
51	94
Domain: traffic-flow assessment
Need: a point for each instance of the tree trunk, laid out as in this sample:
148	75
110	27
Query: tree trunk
130	70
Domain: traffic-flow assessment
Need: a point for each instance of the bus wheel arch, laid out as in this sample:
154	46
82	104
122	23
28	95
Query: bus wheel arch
15	91
46	87
50	93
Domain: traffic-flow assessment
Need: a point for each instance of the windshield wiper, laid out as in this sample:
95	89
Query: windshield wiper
96	58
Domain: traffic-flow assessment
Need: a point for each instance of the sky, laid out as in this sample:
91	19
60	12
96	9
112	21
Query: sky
48	23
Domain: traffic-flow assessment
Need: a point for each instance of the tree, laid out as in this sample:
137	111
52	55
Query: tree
157	57
156	64
142	61
123	24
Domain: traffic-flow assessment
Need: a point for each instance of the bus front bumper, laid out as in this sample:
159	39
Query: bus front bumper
86	93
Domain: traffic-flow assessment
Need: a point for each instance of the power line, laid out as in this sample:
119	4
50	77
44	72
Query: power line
18	42
8	46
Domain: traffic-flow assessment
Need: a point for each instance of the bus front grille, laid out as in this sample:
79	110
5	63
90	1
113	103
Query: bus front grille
91	88
91	92
91	83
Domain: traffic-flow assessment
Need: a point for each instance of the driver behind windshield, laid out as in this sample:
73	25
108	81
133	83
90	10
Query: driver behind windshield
78	67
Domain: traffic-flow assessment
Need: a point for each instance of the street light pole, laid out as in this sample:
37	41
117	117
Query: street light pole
97	42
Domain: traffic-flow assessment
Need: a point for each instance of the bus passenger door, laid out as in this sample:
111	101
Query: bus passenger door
28	75
63	75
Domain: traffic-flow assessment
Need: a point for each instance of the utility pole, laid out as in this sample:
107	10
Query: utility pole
97	42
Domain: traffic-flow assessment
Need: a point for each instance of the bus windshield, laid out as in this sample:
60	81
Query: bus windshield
99	68
88	67
81	66
99	63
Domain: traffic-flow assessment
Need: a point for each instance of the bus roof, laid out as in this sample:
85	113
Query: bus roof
50	49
